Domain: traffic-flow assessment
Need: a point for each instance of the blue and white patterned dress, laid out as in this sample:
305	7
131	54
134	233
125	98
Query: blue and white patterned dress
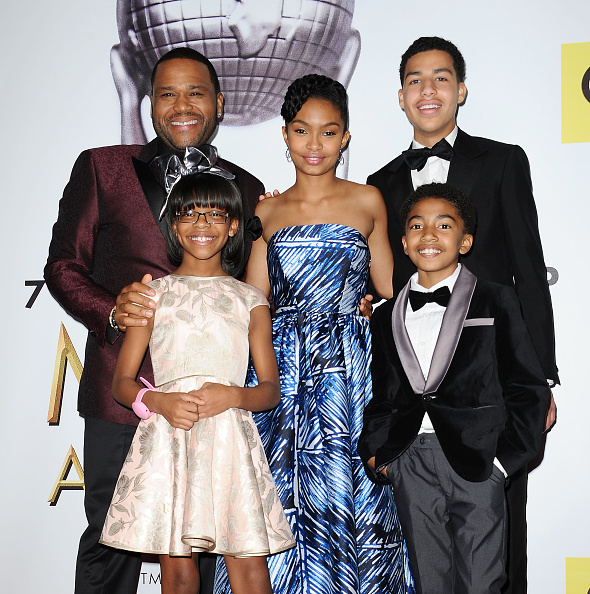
347	531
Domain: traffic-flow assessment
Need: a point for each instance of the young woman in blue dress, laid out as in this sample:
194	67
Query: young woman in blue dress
321	240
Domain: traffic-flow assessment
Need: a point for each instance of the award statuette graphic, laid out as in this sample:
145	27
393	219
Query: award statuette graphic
258	47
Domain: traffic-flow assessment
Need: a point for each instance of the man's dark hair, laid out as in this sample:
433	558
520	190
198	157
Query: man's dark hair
315	86
206	190
186	53
448	192
426	44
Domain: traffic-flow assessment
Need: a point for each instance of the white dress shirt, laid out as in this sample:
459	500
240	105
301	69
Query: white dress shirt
423	328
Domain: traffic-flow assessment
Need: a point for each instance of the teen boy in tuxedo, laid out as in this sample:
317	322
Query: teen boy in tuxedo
459	401
496	177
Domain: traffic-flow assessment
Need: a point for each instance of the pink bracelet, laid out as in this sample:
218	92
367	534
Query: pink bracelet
139	408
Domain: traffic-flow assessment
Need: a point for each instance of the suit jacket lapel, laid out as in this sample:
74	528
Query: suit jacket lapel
450	331
465	167
396	187
463	171
401	182
403	344
448	338
153	191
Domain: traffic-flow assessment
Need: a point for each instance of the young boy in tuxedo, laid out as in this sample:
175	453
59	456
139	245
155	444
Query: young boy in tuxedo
459	401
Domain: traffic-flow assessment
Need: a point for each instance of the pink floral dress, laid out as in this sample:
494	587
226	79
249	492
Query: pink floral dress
209	488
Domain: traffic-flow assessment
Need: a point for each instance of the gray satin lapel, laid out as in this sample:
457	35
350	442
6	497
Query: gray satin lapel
451	328
403	343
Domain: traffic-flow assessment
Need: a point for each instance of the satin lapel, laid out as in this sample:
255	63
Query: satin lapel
153	191
403	343
465	166
451	328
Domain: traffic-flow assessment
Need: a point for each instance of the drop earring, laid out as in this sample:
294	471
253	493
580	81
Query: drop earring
288	155
340	157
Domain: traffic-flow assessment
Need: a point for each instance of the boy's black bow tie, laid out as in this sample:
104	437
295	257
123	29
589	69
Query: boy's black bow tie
416	158
419	299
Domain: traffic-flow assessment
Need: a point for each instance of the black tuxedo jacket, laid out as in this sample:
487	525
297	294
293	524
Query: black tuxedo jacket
507	247
486	393
106	236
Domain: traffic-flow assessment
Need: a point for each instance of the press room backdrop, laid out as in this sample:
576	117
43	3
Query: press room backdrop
528	72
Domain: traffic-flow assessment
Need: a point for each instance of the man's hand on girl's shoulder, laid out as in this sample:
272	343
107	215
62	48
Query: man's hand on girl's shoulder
134	306
269	195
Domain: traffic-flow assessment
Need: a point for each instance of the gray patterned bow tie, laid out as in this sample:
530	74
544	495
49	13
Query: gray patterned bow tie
169	168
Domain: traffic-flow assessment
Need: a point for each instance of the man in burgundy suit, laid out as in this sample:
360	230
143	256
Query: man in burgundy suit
109	234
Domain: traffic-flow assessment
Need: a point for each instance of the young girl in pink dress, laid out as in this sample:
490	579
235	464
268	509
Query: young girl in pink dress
196	477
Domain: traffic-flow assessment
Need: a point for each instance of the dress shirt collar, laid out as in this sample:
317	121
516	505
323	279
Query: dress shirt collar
450	139
446	282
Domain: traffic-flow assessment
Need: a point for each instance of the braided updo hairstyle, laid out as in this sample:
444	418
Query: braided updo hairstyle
315	86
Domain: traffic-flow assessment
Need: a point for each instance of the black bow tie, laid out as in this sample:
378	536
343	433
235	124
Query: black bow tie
416	158
419	299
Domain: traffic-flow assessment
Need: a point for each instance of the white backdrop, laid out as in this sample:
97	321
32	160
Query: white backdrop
59	98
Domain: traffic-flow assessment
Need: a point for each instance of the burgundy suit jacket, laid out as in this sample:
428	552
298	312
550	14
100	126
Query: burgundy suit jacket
106	236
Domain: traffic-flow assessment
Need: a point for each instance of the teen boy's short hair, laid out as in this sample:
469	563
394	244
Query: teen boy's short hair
448	192
426	44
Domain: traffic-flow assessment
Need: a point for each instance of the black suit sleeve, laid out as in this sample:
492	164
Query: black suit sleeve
525	390
526	255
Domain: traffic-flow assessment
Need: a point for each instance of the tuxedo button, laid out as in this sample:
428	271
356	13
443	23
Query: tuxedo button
422	441
427	397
